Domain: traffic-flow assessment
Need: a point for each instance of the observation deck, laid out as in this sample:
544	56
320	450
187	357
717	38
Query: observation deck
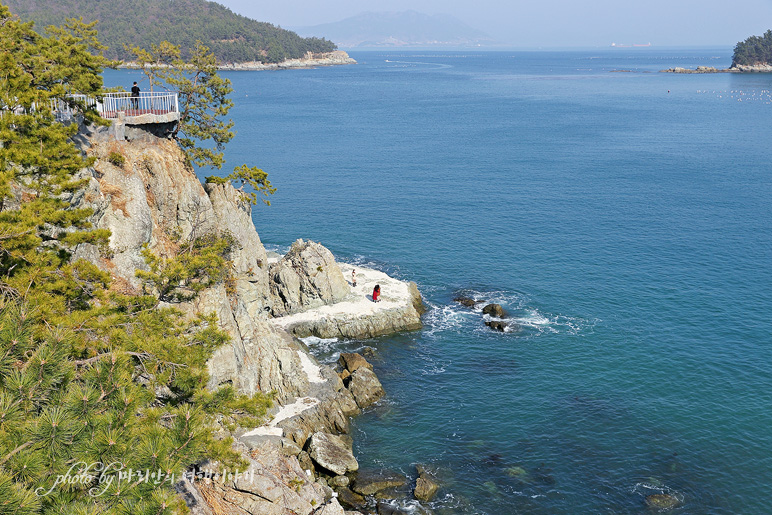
150	107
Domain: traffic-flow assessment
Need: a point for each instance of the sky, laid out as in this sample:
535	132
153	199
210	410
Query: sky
551	23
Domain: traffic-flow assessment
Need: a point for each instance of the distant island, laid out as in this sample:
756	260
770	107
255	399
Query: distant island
231	37
400	29
754	55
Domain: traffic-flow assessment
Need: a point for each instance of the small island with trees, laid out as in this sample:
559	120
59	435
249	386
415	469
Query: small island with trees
754	55
756	51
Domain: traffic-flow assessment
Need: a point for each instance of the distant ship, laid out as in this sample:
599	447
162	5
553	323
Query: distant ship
628	46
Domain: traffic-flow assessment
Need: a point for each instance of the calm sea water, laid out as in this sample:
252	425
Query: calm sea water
624	219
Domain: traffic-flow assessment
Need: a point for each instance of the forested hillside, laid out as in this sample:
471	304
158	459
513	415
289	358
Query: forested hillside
231	37
754	50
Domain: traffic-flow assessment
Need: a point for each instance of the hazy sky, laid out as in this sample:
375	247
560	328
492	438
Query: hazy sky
539	23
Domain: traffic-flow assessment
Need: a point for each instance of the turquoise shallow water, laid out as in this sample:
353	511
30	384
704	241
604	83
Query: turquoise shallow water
623	218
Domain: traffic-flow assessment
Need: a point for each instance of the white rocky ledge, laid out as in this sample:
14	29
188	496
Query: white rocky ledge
357	316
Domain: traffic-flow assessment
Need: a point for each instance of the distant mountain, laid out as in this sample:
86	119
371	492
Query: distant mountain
232	38
395	29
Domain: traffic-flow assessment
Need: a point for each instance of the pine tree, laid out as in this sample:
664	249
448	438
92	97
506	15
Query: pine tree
202	131
98	391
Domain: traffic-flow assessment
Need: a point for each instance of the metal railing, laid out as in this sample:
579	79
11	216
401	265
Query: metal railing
145	103
111	105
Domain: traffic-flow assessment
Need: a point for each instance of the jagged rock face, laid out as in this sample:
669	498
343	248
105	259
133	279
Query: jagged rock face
234	216
425	489
306	277
330	415
273	485
154	195
260	358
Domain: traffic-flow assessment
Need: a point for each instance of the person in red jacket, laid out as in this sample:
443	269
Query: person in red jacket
377	293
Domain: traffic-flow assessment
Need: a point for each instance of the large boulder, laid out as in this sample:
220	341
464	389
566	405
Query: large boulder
365	387
425	485
305	278
494	310
332	453
353	361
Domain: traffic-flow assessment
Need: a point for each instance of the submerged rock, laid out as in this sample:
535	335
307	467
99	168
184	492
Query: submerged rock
425	486
390	508
350	499
332	453
497	325
516	472
662	502
466	301
370	482
425	489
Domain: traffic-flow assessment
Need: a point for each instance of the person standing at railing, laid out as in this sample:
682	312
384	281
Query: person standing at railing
135	96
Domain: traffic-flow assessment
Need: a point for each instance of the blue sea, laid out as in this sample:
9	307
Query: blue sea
622	216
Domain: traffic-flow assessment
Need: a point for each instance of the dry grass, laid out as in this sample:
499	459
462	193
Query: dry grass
123	287
117	199
215	502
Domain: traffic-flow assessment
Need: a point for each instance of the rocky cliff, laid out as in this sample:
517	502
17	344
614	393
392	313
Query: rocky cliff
152	199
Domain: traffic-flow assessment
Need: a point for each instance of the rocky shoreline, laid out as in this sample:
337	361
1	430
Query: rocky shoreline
300	458
310	60
758	68
336	58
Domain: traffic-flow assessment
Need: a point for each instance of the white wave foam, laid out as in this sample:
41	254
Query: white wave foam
531	321
413	63
646	488
440	319
433	369
314	341
406	506
325	350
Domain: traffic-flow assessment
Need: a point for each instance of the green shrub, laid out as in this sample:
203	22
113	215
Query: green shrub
117	159
213	179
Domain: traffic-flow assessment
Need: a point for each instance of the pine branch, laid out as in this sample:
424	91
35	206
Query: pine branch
16	450
140	355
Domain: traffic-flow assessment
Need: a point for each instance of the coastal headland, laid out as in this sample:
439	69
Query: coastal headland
300	458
